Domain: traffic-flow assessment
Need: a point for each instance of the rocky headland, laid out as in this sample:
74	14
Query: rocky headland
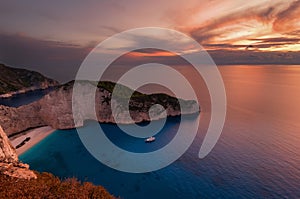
14	81
55	108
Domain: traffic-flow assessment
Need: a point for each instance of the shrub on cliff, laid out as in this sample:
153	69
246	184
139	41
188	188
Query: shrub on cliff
49	186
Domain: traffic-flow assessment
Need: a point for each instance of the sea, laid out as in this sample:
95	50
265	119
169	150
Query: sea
256	156
25	98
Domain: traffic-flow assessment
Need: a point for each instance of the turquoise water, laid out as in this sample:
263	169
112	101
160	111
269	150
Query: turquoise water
257	156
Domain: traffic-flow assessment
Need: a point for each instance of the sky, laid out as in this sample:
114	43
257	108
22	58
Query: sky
54	37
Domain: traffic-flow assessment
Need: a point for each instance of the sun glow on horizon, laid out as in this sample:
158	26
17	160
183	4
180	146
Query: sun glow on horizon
152	54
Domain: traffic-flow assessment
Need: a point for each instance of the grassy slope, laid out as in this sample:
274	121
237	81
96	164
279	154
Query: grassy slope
123	91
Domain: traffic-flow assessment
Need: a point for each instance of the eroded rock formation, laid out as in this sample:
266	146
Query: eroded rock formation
55	109
9	163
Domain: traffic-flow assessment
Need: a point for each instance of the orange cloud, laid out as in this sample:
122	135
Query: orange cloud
151	54
238	28
289	19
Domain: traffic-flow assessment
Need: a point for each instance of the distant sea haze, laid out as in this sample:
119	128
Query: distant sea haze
257	155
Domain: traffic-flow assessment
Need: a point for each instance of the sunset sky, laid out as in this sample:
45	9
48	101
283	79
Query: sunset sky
51	35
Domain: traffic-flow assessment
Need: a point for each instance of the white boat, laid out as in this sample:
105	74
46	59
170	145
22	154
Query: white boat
150	139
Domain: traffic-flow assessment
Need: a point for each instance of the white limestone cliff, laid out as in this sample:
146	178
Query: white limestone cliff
55	110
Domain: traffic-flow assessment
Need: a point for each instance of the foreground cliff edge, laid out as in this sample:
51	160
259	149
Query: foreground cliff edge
18	181
9	163
55	108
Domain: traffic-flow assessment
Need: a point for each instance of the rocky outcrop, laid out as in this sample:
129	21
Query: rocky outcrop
15	120
9	163
15	81
55	109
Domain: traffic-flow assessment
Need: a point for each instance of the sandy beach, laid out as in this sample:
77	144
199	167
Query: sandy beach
35	135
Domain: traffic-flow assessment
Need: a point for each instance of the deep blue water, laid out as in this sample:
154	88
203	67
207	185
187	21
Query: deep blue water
228	172
24	98
257	156
63	154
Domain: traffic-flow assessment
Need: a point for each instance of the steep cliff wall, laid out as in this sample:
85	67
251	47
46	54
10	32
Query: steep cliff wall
55	109
14	120
9	163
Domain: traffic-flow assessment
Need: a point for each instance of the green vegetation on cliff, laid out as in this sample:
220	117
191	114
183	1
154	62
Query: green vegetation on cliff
15	79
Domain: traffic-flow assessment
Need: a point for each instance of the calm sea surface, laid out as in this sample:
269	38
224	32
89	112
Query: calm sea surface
24	98
257	156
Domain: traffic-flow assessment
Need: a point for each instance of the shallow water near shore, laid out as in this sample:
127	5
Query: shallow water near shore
257	156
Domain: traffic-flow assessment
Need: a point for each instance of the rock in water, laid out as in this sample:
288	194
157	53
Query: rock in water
9	163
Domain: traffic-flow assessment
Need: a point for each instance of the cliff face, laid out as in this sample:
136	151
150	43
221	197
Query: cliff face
15	80
15	120
9	163
55	109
